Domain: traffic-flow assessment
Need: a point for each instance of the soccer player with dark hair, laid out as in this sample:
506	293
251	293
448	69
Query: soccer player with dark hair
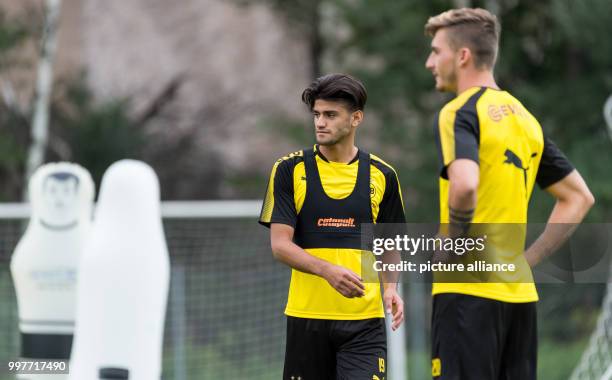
316	201
492	151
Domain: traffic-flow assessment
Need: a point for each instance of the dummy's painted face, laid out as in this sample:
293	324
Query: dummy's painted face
60	207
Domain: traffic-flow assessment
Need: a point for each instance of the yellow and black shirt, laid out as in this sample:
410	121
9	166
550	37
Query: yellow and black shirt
326	202
495	130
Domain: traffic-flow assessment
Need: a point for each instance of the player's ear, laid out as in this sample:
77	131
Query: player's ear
464	56
356	118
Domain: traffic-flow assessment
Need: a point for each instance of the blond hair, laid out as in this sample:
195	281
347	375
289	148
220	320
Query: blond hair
474	28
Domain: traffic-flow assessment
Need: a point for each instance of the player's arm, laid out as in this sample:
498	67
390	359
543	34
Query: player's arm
573	200
391	212
463	177
393	302
459	139
345	281
279	213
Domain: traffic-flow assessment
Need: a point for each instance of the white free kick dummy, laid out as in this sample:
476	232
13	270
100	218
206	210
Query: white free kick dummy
124	280
45	262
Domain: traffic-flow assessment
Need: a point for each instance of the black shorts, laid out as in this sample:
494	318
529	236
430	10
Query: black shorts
323	349
480	338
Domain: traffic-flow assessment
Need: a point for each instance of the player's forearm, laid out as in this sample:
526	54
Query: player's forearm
463	176
462	198
292	255
390	278
390	284
563	221
462	203
571	210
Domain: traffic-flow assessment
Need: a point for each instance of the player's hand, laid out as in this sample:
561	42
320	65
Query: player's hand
344	280
394	305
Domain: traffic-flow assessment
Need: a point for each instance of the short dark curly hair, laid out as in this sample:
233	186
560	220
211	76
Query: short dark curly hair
336	87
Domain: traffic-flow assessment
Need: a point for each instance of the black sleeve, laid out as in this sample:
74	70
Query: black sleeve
391	209
554	166
457	137
467	135
279	205
391	220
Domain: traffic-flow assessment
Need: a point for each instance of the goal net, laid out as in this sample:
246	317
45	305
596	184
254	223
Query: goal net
225	309
596	362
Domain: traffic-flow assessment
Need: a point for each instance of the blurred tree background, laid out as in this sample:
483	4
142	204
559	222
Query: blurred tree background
13	122
93	134
555	57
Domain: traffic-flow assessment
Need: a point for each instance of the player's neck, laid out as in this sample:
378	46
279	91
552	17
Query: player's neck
476	78
339	152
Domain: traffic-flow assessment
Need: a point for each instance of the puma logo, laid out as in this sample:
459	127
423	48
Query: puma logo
513	159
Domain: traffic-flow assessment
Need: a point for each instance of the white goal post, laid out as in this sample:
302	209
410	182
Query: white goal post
169	209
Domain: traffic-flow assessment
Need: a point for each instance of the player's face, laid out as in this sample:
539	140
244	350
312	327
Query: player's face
442	63
333	121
